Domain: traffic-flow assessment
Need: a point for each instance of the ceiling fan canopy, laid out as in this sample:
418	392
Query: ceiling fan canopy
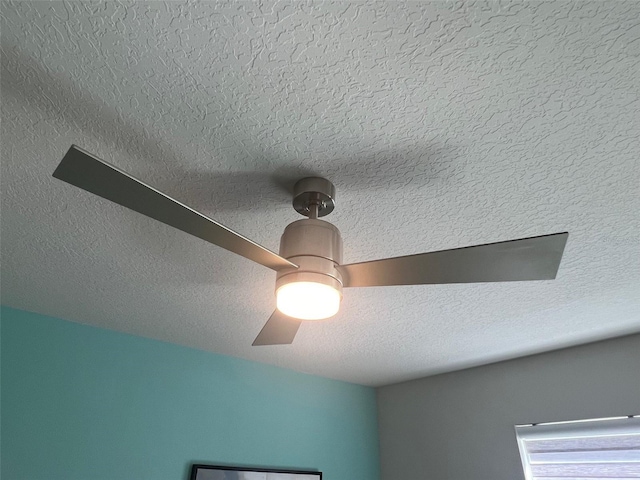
310	276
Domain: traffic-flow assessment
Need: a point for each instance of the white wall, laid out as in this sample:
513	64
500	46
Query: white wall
459	425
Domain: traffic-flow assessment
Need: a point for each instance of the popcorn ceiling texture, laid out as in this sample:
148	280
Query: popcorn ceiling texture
441	124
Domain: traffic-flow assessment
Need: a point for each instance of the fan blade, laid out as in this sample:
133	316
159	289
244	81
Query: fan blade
279	330
88	172
535	258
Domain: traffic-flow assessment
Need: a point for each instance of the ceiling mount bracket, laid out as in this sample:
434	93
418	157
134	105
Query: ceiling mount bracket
314	197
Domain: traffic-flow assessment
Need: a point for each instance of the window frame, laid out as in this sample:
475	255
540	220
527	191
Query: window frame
628	424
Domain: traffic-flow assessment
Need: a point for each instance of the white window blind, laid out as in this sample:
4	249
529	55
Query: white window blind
584	450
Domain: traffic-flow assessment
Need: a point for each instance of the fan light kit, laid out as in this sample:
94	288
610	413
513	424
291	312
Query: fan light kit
310	275
308	300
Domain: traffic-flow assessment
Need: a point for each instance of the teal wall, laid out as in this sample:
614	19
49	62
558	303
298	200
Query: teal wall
80	402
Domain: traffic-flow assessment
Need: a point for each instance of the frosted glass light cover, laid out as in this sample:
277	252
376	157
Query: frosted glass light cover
308	300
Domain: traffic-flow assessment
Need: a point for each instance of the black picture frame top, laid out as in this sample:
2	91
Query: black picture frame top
206	472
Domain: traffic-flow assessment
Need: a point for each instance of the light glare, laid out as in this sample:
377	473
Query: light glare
308	300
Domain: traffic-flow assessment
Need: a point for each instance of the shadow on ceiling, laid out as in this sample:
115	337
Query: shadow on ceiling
409	166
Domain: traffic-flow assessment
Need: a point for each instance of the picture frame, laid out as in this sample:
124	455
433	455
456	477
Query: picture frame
223	472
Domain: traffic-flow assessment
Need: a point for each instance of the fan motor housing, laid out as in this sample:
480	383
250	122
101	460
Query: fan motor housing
316	247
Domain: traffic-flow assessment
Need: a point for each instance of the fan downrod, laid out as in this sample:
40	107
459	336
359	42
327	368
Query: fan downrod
314	197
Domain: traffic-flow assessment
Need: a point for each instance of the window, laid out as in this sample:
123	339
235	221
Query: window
595	449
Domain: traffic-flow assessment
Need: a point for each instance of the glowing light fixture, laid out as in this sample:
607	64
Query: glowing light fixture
308	300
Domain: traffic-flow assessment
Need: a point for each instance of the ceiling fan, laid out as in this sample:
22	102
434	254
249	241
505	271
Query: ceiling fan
310	275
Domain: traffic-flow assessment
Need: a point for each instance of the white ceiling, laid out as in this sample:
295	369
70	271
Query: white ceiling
441	124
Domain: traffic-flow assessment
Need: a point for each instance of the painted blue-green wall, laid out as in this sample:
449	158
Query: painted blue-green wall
80	402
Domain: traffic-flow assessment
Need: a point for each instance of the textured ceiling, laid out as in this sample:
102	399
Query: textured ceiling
441	124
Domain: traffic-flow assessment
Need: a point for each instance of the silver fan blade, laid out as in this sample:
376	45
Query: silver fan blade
279	330
535	258
88	172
